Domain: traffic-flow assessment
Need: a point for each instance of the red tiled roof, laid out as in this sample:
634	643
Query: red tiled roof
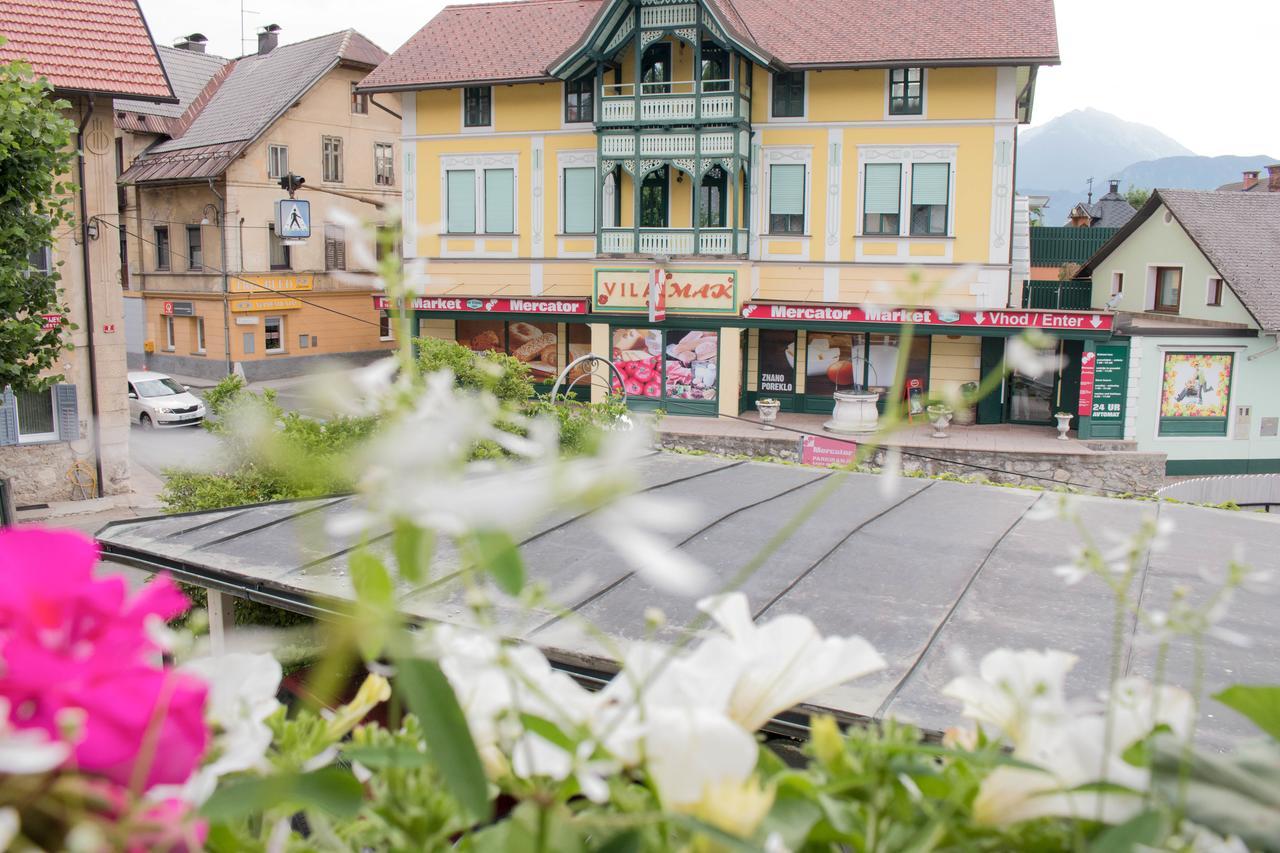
520	40
100	46
488	41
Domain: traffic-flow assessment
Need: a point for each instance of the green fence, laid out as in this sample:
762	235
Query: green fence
1053	246
1066	295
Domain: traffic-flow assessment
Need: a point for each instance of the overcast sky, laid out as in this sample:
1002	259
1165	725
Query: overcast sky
1205	74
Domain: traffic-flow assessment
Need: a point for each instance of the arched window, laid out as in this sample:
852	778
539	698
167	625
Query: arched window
656	69
712	195
653	199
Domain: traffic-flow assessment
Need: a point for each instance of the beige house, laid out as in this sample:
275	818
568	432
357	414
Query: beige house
217	286
73	440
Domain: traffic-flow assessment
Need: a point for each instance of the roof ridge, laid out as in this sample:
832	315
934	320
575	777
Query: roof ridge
293	44
195	53
511	3
183	123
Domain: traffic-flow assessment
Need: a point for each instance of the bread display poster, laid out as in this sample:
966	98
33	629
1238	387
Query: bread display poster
777	361
533	344
829	362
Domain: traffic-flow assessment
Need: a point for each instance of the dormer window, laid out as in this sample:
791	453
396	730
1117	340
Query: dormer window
906	91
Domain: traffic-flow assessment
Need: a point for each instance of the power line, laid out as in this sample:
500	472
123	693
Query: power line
291	294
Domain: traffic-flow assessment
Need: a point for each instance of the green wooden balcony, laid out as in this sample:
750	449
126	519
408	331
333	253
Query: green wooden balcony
676	102
1053	246
1063	295
673	241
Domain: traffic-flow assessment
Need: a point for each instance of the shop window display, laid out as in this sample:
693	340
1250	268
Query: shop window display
534	344
842	362
777	361
678	365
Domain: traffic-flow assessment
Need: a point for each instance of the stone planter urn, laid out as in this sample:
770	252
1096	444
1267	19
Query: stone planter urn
940	417
1064	425
768	410
855	413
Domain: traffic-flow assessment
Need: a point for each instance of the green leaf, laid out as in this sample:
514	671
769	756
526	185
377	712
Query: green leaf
722	839
1144	828
371	580
429	696
629	841
1260	704
413	547
547	730
496	553
386	757
792	818
331	788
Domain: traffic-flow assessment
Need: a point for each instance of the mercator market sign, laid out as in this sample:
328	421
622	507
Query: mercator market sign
488	305
1071	321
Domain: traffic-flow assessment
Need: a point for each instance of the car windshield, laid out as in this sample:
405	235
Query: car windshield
165	387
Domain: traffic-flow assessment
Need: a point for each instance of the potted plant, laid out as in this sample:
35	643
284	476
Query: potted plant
1064	424
967	414
768	409
940	415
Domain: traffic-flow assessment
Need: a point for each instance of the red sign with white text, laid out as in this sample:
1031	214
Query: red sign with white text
512	305
50	322
1061	321
819	450
1088	365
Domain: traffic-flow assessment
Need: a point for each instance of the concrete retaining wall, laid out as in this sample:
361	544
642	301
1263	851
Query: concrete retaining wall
38	472
1113	471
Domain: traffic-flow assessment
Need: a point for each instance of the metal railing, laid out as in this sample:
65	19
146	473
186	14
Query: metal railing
1066	295
673	241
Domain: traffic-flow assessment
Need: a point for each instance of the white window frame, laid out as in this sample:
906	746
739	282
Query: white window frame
1117	282
789	119
565	124
279	318
906	157
1153	283
390	321
478	164
924	96
40	437
493	110
783	155
324	155
389	161
361	98
169	343
200	342
198	231
1208	291
576	159
277	160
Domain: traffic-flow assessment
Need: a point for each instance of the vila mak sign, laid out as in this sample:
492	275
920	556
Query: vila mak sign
1079	321
686	291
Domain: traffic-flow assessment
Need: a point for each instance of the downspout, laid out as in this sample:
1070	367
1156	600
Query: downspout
1275	345
88	299
226	304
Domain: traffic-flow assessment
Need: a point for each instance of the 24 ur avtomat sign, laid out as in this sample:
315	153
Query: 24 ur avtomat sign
488	305
626	291
998	320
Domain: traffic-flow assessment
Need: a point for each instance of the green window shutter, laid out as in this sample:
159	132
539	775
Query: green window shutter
499	201
929	183
882	189
8	417
66	412
462	202
786	190
579	201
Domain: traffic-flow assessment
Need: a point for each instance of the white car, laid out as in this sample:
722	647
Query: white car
155	400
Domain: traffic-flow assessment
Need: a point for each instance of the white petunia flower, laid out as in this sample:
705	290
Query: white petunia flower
690	750
25	751
1012	689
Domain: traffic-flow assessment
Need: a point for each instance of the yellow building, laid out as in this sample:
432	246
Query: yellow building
800	188
214	285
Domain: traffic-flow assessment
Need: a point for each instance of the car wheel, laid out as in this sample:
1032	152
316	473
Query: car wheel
144	420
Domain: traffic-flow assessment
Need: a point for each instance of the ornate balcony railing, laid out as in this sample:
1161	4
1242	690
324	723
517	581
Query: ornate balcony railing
673	241
676	101
665	145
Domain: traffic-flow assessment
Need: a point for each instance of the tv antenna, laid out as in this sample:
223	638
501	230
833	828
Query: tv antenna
1090	182
243	39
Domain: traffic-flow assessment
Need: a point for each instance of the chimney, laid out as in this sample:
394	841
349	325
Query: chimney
1114	185
268	38
195	43
1273	178
1250	179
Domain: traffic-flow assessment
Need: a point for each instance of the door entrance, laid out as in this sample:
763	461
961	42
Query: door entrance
1032	399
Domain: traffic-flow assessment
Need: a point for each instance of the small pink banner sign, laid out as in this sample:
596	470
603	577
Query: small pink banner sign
819	450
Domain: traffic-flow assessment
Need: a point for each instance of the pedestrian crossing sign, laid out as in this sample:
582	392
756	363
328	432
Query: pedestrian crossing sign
293	219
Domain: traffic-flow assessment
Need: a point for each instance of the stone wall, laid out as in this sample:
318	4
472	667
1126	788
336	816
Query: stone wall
1111	471
38	472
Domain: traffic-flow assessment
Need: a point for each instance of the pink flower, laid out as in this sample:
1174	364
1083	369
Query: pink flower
72	641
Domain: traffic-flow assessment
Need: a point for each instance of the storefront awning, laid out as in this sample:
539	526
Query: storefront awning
929	573
489	305
929	320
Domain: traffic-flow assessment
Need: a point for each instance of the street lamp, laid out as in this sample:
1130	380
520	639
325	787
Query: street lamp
210	219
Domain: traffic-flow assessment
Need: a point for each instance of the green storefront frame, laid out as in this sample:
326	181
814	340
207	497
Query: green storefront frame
672	405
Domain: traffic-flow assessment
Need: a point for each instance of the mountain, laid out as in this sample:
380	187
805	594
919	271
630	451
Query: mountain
1089	143
1192	173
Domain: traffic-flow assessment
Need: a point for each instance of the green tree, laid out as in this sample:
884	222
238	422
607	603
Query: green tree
35	160
1137	196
